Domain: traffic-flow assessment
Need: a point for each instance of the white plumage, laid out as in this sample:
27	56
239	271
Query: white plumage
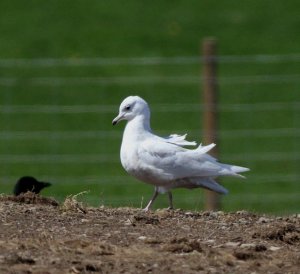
164	162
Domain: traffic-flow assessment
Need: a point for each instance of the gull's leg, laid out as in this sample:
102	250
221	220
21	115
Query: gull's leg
170	200
155	194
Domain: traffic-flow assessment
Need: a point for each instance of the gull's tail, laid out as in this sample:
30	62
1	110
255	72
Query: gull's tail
231	170
224	169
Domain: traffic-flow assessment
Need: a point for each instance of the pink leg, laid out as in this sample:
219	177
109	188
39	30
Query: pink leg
155	194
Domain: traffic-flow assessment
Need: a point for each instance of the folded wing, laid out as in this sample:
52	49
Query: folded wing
168	161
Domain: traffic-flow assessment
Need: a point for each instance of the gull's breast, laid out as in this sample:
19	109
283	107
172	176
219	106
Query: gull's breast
132	163
129	157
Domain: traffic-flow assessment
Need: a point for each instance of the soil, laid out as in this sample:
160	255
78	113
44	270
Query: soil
37	235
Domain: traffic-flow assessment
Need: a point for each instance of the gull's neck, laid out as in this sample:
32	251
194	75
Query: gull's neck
137	127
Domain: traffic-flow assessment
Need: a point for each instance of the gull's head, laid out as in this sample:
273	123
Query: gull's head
132	107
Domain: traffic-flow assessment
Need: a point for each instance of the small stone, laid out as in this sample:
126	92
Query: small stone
163	213
213	214
232	244
142	238
243	221
247	245
186	227
242	212
133	234
263	220
274	248
128	222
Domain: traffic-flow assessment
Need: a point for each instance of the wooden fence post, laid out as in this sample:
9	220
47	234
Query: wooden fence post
210	114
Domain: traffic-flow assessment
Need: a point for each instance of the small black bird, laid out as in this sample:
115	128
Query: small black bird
28	183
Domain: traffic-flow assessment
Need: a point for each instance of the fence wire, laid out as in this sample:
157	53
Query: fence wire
148	61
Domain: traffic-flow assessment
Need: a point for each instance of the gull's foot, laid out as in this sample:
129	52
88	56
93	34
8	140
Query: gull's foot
146	209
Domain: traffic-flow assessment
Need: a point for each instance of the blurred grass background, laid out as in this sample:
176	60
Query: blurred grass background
65	66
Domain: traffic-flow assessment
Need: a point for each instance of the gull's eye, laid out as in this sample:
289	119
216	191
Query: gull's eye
127	108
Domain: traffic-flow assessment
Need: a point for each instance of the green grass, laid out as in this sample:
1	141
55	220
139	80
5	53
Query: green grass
45	144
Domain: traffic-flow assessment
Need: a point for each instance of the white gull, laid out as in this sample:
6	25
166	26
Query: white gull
164	162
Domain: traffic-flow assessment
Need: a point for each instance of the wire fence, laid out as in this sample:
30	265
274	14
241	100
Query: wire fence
265	108
134	61
137	80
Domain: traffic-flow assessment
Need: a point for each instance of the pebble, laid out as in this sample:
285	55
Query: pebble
142	238
210	241
243	221
232	244
274	248
30	210
215	214
186	227
263	220
163	213
242	212
247	245
133	233
128	222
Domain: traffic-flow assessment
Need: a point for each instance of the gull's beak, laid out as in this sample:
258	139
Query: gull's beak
118	119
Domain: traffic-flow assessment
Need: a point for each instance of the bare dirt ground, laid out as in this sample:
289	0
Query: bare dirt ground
39	236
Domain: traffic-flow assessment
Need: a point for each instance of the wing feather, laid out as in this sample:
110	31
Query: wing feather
166	161
179	140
